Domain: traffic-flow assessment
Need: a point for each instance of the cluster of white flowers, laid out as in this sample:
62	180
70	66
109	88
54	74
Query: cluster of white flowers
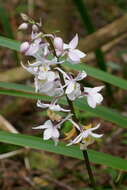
49	53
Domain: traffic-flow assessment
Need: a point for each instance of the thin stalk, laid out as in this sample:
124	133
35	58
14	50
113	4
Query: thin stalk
82	8
85	154
70	103
91	177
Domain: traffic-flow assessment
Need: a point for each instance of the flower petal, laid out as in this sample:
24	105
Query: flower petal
55	133
23	26
96	127
33	70
97	89
74	42
42	105
47	133
91	101
47	124
87	89
75	124
32	49
75	93
81	75
24	47
58	43
73	57
96	135
35	64
42	75
76	140
51	76
65	46
64	110
70	87
98	98
80	53
54	107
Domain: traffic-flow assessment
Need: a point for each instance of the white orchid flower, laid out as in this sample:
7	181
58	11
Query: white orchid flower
30	49
50	88
72	86
50	130
52	106
34	47
75	93
74	54
71	82
42	69
93	95
84	133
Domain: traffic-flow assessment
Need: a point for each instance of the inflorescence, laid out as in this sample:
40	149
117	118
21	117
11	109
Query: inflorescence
50	53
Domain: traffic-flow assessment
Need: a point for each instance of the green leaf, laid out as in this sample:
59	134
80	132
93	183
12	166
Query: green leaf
100	111
104	113
11	85
93	72
100	75
19	93
9	43
72	151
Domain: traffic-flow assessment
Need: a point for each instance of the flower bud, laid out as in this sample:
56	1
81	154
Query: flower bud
24	47
58	43
24	17
34	28
23	26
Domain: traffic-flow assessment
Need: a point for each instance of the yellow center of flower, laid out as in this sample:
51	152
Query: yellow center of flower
53	116
85	127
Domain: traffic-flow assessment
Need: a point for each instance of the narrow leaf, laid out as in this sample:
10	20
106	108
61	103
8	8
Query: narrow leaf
100	111
72	151
93	72
100	75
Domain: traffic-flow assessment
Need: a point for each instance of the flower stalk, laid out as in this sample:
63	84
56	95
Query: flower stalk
53	81
89	170
85	154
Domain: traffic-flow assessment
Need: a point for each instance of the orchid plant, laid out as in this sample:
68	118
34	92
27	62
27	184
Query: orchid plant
49	53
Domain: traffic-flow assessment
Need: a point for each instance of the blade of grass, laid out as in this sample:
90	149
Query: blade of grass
9	43
93	72
38	143
15	86
104	113
100	75
100	111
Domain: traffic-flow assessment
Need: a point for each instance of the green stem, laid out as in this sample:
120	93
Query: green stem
91	177
70	103
85	154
